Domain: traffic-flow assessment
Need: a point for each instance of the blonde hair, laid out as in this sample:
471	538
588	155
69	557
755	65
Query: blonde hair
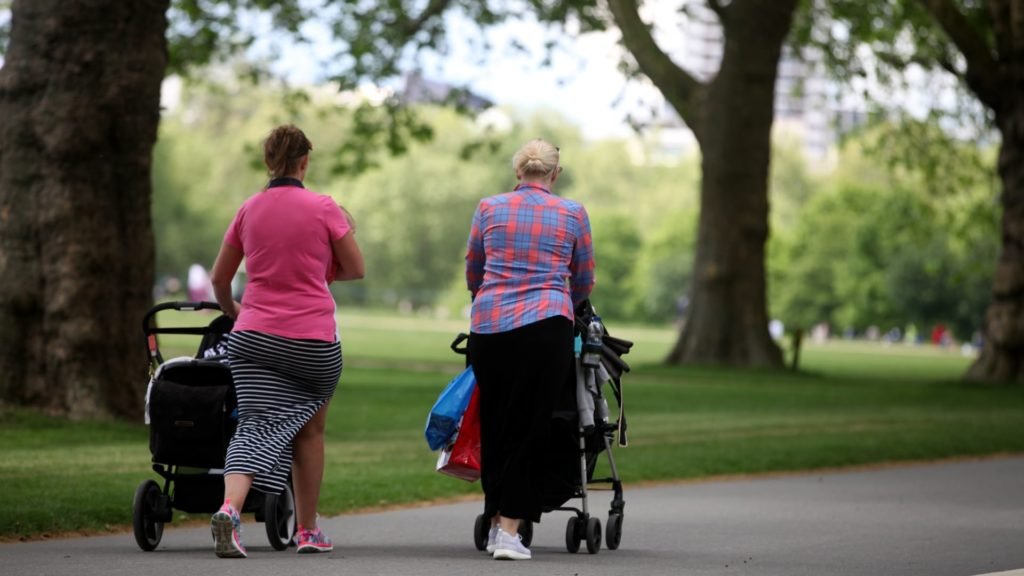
283	150
537	158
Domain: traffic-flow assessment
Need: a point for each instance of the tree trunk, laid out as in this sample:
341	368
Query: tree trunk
728	320
1002	356
80	103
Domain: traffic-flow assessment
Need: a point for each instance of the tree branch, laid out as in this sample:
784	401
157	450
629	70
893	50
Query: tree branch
434	8
999	14
926	62
947	65
982	69
1016	18
679	87
1014	14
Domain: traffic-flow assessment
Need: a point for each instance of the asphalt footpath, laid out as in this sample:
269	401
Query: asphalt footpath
962	518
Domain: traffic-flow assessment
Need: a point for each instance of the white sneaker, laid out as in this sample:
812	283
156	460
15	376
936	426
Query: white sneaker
509	547
492	539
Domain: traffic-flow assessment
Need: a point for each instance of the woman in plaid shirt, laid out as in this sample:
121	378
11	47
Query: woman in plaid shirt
529	261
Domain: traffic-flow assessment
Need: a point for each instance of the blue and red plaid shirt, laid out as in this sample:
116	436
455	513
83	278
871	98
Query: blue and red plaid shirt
529	257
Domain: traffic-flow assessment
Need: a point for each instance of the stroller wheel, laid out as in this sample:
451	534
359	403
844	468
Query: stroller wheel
279	518
613	532
148	530
593	535
526	532
480	529
573	534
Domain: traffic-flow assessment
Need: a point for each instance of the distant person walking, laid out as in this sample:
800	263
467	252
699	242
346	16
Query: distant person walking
523	247
199	288
284	351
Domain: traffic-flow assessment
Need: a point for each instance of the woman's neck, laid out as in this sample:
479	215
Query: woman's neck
285	181
545	184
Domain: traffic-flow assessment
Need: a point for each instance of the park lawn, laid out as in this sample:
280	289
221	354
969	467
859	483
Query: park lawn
852	404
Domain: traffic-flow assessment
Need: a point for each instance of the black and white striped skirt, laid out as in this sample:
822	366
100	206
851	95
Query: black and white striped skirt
281	383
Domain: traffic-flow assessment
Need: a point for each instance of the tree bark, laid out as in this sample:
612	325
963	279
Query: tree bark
728	320
995	73
1002	355
80	103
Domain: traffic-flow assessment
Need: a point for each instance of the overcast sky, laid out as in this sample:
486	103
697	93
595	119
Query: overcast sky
582	83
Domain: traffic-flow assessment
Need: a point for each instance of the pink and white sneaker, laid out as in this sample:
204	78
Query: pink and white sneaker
313	541
226	526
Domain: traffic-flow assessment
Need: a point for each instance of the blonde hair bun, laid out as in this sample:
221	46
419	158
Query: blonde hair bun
537	158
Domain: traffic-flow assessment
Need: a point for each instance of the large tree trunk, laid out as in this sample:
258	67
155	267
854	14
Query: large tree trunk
1002	356
79	103
728	319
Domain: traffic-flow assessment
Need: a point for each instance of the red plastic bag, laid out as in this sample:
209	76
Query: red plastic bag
461	459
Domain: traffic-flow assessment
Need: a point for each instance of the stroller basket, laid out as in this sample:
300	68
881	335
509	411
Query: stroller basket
191	407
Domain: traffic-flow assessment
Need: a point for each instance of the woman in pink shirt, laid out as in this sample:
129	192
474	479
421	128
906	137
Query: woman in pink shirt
284	350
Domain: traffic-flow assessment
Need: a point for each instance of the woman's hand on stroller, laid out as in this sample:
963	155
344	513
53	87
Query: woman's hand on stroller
234	310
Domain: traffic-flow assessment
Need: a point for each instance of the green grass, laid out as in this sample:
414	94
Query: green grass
853	404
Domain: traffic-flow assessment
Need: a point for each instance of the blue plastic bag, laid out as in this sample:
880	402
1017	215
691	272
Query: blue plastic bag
443	420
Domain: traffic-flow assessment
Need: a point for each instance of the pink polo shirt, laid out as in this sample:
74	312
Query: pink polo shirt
285	233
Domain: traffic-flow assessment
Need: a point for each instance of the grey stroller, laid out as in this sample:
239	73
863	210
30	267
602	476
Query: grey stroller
581	430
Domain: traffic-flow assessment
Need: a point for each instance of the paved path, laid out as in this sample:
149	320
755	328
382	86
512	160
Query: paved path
958	519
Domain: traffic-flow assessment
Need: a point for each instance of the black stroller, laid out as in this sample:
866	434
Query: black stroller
191	410
580	431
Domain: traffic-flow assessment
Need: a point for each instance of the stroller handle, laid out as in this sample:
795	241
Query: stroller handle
147	320
150	330
462	337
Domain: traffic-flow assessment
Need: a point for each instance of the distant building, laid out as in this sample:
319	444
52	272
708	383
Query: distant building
802	89
419	90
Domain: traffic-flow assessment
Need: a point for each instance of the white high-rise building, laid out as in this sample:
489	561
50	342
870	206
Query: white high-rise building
802	108
703	41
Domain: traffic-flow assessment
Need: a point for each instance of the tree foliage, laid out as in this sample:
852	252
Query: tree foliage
868	244
379	41
617	242
664	269
412	213
978	43
882	245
